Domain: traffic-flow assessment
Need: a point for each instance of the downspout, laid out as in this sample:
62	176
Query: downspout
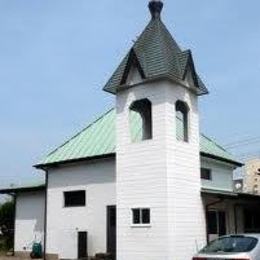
45	213
207	209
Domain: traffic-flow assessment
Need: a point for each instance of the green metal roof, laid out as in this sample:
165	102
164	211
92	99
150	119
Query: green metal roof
156	54
30	186
99	139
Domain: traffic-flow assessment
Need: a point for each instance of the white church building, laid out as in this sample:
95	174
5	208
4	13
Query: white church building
141	182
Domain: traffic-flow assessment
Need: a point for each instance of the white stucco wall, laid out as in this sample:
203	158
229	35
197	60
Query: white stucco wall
29	223
98	179
222	175
63	224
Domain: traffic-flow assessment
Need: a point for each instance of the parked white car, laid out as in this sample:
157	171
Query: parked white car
236	247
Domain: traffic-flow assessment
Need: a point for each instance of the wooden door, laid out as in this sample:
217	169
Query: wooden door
82	245
111	230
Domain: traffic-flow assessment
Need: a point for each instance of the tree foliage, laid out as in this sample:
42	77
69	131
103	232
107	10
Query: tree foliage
7	223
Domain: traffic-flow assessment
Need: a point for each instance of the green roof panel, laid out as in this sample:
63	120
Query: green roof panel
35	185
99	139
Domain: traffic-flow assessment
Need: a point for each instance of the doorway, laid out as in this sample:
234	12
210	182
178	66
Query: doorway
216	224
111	230
82	245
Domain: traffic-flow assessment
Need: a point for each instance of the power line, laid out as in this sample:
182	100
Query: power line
247	156
253	142
242	142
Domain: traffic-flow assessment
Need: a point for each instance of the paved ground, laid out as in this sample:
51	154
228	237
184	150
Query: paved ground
3	257
13	258
8	258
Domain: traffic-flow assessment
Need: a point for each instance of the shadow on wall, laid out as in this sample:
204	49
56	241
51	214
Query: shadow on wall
91	173
30	207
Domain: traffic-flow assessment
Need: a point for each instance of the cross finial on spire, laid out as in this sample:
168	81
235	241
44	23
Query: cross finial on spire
155	7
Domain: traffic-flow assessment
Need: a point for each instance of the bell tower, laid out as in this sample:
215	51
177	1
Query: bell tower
159	208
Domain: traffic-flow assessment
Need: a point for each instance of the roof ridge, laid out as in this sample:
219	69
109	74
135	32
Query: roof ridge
171	38
80	132
162	40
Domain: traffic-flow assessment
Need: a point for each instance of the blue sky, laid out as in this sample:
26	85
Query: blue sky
56	55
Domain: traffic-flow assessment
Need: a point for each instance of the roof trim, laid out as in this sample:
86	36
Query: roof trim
146	80
229	194
22	189
190	65
218	158
218	193
44	166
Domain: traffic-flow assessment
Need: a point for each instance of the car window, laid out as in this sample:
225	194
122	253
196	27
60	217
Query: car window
232	244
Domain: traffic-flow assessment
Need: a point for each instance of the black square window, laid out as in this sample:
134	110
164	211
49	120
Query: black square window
75	198
141	216
145	216
136	216
205	174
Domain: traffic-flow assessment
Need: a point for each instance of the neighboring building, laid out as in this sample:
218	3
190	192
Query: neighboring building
29	215
140	182
252	176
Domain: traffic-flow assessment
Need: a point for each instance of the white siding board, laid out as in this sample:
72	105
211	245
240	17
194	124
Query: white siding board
169	163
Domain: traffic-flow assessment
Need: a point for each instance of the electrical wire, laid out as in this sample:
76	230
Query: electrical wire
243	142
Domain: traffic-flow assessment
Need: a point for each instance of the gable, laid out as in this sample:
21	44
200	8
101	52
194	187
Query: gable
99	139
134	76
133	72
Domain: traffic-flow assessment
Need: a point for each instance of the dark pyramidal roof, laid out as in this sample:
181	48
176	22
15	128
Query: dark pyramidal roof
156	55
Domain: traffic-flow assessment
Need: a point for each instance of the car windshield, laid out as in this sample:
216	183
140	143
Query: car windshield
231	244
